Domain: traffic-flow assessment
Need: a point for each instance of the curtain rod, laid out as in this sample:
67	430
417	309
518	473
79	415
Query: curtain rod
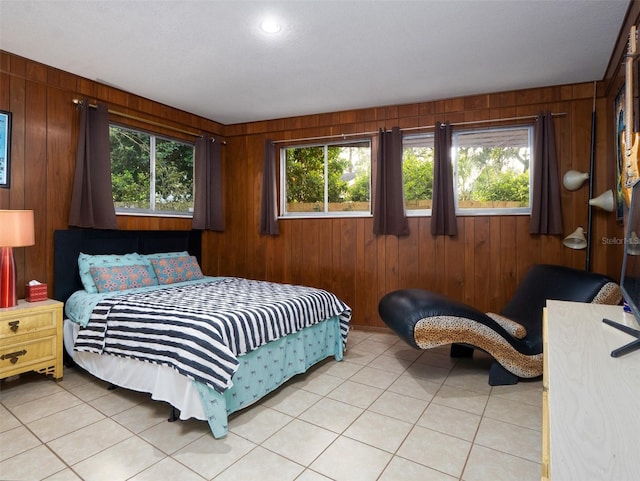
140	119
454	124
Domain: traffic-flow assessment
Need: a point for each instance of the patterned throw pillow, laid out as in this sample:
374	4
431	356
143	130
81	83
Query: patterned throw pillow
119	278
176	269
161	255
86	262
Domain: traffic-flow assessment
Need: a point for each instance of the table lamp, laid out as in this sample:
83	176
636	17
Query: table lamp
16	230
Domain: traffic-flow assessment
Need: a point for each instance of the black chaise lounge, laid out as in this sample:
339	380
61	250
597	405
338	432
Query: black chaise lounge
513	338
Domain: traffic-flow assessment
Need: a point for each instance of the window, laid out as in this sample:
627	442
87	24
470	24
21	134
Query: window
491	171
326	180
150	174
417	173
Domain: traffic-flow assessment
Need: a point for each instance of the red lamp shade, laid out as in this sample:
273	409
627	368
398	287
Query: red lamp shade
16	230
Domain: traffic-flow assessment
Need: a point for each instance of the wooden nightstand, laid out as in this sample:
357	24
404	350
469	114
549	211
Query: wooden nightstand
31	338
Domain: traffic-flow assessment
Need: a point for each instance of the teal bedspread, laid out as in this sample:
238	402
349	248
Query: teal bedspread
265	369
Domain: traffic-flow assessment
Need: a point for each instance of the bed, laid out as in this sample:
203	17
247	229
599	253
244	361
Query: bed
208	346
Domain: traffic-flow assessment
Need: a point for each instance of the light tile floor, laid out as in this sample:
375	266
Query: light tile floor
386	413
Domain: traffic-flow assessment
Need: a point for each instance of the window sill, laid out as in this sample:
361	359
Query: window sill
326	215
155	214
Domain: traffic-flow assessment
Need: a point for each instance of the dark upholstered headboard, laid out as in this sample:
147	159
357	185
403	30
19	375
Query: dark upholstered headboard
68	244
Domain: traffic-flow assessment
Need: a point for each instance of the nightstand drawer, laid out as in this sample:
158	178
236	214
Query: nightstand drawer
27	323
31	338
20	356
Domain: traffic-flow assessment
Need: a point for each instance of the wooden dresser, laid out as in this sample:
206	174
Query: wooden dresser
591	401
31	338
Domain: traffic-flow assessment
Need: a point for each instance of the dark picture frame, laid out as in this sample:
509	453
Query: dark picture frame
5	148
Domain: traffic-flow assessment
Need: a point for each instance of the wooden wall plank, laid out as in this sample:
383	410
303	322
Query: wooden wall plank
426	255
468	240
508	254
455	254
36	175
481	266
346	276
495	259
409	256
17	107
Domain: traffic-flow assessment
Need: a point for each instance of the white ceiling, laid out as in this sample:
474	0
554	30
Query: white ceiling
210	57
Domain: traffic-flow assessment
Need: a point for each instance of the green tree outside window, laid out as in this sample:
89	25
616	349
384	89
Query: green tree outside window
150	173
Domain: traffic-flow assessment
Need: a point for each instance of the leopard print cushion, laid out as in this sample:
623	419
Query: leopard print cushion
512	327
609	294
441	330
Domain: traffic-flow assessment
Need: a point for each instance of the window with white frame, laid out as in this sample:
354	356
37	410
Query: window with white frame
417	173
151	174
491	167
492	173
331	179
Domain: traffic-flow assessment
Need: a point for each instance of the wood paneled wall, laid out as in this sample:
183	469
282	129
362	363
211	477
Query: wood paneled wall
481	265
43	150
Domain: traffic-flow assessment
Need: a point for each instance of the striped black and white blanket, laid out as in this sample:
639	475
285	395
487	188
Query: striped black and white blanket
200	329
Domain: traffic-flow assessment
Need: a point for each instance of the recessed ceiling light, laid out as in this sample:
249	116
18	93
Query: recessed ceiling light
270	26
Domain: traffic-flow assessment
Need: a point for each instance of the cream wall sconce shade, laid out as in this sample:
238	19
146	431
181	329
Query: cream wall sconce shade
604	201
576	240
17	231
574	179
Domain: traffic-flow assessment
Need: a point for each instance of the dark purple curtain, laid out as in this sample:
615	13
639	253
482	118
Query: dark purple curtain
546	214
268	203
92	196
443	210
207	205
388	211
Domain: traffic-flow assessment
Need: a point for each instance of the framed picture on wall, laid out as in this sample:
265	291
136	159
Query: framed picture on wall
5	148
